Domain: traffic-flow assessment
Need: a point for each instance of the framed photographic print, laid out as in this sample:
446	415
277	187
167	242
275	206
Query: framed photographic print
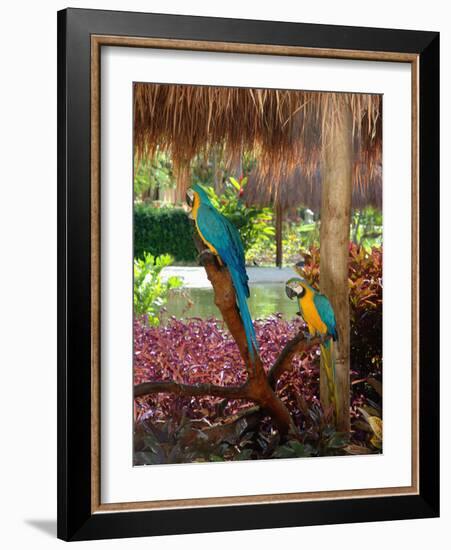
248	274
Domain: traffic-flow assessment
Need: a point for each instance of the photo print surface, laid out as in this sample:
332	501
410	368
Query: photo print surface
257	274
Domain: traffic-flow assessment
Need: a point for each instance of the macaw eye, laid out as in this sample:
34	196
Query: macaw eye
190	198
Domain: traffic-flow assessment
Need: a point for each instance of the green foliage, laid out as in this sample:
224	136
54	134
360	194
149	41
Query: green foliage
318	435
164	442
366	228
150	176
293	449
149	291
254	224
163	231
181	439
298	236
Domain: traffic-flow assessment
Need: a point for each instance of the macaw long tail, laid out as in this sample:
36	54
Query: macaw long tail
328	363
245	315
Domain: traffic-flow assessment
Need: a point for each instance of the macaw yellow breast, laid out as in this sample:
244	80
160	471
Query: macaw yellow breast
194	212
311	315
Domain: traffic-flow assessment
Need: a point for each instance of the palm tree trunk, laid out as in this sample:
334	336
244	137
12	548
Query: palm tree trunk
335	234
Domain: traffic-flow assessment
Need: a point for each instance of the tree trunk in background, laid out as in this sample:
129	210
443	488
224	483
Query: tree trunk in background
335	235
218	184
279	219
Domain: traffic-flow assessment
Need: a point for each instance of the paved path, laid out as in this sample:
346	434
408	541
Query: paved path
195	277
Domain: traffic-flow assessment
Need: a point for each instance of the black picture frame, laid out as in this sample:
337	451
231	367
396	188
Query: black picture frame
76	521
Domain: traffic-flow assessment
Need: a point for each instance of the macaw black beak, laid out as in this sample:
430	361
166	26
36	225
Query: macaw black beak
190	198
290	292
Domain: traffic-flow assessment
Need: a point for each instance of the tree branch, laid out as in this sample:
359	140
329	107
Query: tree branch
300	343
257	387
229	392
225	298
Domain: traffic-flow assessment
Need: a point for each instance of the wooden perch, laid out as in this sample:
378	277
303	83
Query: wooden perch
228	392
225	301
259	387
283	363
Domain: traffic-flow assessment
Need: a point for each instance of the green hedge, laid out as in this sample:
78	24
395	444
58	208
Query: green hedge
163	231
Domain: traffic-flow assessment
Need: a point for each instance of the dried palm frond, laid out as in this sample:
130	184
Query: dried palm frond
282	128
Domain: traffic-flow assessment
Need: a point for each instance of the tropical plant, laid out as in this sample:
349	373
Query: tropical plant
152	175
367	227
181	439
254	224
298	237
150	292
190	428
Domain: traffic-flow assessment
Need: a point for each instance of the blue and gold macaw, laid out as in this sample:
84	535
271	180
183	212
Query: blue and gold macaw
223	239
317	312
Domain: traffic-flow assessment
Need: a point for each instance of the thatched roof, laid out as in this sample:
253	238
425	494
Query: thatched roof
282	128
297	187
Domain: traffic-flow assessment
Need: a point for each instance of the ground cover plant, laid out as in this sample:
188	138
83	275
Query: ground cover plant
181	428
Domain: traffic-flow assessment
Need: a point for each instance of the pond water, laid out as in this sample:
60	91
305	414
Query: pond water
265	299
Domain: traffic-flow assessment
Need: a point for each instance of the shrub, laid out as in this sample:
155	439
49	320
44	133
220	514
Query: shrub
297	238
150	293
254	224
163	231
151	176
201	351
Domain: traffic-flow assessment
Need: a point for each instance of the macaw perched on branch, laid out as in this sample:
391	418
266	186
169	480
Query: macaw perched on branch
223	239
317	312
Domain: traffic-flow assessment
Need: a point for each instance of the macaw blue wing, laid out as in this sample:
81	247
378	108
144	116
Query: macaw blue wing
239	258
225	238
326	313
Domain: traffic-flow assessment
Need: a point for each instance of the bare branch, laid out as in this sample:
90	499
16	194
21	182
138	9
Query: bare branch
229	392
257	388
225	300
300	343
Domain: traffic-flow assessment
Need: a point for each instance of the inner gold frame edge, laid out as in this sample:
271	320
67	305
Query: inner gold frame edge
97	41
